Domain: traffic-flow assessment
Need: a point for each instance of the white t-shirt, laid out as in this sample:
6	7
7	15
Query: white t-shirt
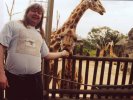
25	47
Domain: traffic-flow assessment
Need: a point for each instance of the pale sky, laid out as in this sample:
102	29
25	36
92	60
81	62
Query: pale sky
118	15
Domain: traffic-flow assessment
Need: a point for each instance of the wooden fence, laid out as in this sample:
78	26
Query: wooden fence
102	78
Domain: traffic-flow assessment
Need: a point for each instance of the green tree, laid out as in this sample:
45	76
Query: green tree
102	36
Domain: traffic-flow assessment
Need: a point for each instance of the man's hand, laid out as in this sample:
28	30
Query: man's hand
64	53
3	81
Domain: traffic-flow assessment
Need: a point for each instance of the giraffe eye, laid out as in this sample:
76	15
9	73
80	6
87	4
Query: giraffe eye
61	36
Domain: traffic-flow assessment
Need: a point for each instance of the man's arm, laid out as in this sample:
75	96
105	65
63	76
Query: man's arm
3	79
2	52
54	55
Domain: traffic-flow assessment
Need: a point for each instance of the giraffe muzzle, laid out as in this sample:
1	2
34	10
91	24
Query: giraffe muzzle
70	52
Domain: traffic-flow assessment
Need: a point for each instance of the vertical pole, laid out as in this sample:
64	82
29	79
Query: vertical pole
45	64
49	21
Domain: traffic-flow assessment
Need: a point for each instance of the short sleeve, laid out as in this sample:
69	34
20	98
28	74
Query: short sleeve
6	35
44	49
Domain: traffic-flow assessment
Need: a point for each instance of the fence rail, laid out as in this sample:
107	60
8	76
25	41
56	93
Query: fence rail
102	78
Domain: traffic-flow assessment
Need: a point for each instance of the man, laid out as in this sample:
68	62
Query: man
25	47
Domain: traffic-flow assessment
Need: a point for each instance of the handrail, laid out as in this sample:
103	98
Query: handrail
128	92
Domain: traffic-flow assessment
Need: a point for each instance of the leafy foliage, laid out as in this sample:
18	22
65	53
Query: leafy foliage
100	37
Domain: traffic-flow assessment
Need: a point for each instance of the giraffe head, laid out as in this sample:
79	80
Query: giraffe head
94	5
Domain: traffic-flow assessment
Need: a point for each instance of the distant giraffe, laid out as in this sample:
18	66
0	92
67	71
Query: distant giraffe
65	37
111	52
108	47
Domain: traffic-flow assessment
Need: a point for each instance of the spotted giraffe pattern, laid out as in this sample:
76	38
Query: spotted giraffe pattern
68	76
65	36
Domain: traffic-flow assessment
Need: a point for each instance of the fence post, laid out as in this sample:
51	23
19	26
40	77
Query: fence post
97	52
46	80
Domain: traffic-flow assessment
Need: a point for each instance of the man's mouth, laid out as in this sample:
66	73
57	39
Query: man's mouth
35	17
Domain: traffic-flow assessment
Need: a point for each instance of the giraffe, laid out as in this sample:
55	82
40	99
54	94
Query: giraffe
108	47
111	52
65	37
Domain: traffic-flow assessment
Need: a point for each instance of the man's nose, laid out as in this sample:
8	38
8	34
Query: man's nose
36	12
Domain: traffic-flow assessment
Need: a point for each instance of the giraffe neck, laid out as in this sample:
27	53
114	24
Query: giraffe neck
75	16
70	24
69	27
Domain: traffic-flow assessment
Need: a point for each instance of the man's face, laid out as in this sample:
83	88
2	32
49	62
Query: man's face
34	16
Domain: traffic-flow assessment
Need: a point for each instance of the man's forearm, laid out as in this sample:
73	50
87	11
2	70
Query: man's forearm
54	55
2	52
